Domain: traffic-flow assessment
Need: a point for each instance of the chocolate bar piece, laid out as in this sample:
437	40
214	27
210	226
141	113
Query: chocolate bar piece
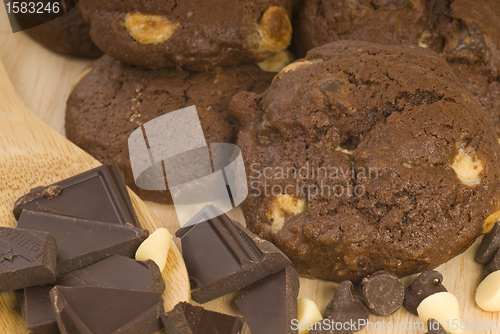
185	318
270	305
222	256
113	272
97	310
27	258
98	194
82	242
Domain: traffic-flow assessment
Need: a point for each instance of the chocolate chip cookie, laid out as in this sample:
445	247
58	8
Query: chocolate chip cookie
193	34
465	32
364	157
67	34
112	99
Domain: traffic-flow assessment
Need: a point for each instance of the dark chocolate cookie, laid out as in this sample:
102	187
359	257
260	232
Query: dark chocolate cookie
67	34
465	32
113	99
363	157
193	34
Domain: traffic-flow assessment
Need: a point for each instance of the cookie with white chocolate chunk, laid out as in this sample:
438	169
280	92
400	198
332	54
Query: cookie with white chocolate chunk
196	35
363	157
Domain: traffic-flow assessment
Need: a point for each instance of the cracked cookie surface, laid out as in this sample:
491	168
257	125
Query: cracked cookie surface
192	34
112	99
368	157
465	32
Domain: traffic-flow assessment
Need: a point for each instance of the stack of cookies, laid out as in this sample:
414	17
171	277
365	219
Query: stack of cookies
163	56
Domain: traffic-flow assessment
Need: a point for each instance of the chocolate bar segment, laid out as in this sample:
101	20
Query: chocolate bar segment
98	194
97	310
222	256
270	305
185	318
82	242
113	272
27	258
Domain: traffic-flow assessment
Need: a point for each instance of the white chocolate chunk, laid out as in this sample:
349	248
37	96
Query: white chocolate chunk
488	293
149	29
468	168
155	248
298	64
307	313
277	62
491	221
275	30
284	204
441	306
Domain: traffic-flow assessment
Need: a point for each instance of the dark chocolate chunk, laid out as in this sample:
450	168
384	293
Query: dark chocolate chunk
98	194
185	318
270	305
489	245
117	272
494	265
434	327
345	312
114	272
382	292
427	283
27	258
37	311
82	242
97	310
222	256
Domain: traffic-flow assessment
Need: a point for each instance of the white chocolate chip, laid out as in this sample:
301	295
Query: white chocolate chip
343	150
284	204
488	293
468	168
307	313
441	306
149	29
298	64
423	40
155	248
277	62
490	221
275	30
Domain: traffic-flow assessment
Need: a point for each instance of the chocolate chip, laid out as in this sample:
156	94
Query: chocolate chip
434	327
346	309
494	265
426	284
489	245
382	292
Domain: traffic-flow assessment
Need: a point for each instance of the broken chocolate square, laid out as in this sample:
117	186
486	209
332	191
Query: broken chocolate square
222	256
82	242
98	310
185	318
27	258
98	194
270	305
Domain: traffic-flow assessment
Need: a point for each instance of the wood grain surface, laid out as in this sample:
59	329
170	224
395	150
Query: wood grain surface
43	80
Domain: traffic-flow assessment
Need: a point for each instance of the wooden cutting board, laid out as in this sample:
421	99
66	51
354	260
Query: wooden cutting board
44	79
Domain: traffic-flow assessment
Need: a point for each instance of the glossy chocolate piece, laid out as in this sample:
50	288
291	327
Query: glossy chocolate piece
82	242
382	292
114	272
185	318
222	257
494	265
98	194
347	309
270	305
27	258
489	245
97	310
427	283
